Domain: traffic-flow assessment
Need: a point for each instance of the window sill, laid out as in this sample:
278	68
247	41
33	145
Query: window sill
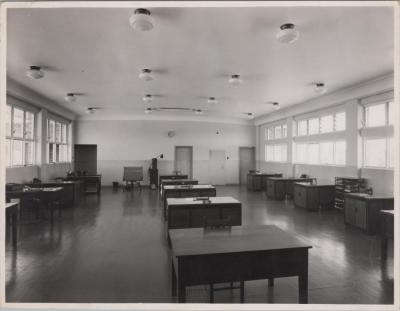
377	168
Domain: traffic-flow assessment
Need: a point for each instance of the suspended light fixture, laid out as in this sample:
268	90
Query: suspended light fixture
320	88
212	101
35	72
141	20
147	98
287	34
145	75
70	97
235	80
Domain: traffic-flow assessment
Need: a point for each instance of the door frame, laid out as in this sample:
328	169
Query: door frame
255	157
191	159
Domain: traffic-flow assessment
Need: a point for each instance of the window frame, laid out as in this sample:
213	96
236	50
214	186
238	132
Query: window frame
55	145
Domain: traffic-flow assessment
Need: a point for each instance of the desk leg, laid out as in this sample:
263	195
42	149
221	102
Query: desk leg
173	280
270	282
384	247
14	228
241	291
303	288
181	291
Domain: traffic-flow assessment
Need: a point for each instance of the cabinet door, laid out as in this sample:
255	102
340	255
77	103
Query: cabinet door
257	182
299	196
270	188
350	211
200	214
361	215
234	214
178	218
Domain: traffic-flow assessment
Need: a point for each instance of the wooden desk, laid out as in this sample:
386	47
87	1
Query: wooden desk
172	176
48	197
71	193
12	210
91	183
313	197
278	188
361	210
243	253
258	181
169	182
191	213
387	230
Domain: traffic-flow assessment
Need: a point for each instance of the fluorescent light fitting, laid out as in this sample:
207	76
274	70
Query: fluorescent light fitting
35	72
287	33
141	20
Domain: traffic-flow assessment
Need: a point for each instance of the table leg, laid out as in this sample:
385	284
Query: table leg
303	287
271	282
211	293
173	280
384	247
181	292
241	291
14	228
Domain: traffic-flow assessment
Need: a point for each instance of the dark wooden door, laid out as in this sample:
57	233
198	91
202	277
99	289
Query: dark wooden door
85	158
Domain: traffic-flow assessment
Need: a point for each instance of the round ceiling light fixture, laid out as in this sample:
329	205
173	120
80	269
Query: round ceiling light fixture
320	88
275	105
145	75
147	98
287	34
250	115
91	110
70	97
141	20
235	80
212	101
148	111
35	72
198	111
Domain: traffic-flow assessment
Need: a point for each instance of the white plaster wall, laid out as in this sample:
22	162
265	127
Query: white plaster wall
133	143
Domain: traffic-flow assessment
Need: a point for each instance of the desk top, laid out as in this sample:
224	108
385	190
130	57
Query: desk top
291	178
366	196
178	180
183	176
265	174
11	204
42	189
199	241
81	176
193	201
189	187
306	184
387	212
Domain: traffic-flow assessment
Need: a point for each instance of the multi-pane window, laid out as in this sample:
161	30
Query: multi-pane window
276	132
323	124
20	136
378	148
327	153
57	141
276	153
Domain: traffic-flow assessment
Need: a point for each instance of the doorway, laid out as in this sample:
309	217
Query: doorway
85	158
184	160
247	162
216	167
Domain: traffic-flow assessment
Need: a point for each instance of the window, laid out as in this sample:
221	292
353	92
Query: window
375	152
326	153
301	153
375	115
391	113
284	131
20	136
270	133
340	152
313	153
57	146
313	126
302	128
276	153
327	124
391	152
278	132
340	121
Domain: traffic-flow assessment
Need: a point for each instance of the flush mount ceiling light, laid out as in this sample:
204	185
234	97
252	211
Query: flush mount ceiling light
287	34
91	110
320	88
250	115
145	75
211	100
141	20
34	72
147	98
275	105
70	97
198	111
148	111
235	80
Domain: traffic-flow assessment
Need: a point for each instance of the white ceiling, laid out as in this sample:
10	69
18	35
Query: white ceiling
192	52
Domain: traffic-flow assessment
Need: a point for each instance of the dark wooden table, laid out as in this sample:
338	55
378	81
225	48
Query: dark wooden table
387	230
243	253
48	197
187	191
12	210
361	210
258	181
91	183
169	182
171	176
192	213
278	188
71	194
312	196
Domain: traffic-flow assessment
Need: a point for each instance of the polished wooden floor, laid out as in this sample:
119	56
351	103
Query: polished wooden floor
113	249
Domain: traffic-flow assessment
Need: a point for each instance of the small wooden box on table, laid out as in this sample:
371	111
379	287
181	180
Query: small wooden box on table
187	191
278	188
313	197
238	254
171	176
387	230
362	210
192	213
258	181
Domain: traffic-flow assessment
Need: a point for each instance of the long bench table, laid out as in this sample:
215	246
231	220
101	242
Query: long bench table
258	181
279	188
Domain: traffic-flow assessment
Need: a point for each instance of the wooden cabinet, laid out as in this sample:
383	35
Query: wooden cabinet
173	176
279	188
313	197
362	210
258	181
191	213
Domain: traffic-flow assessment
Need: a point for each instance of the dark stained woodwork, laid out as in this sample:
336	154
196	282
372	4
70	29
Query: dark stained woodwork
313	197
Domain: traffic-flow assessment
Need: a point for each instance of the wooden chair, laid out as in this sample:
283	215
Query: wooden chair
222	224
